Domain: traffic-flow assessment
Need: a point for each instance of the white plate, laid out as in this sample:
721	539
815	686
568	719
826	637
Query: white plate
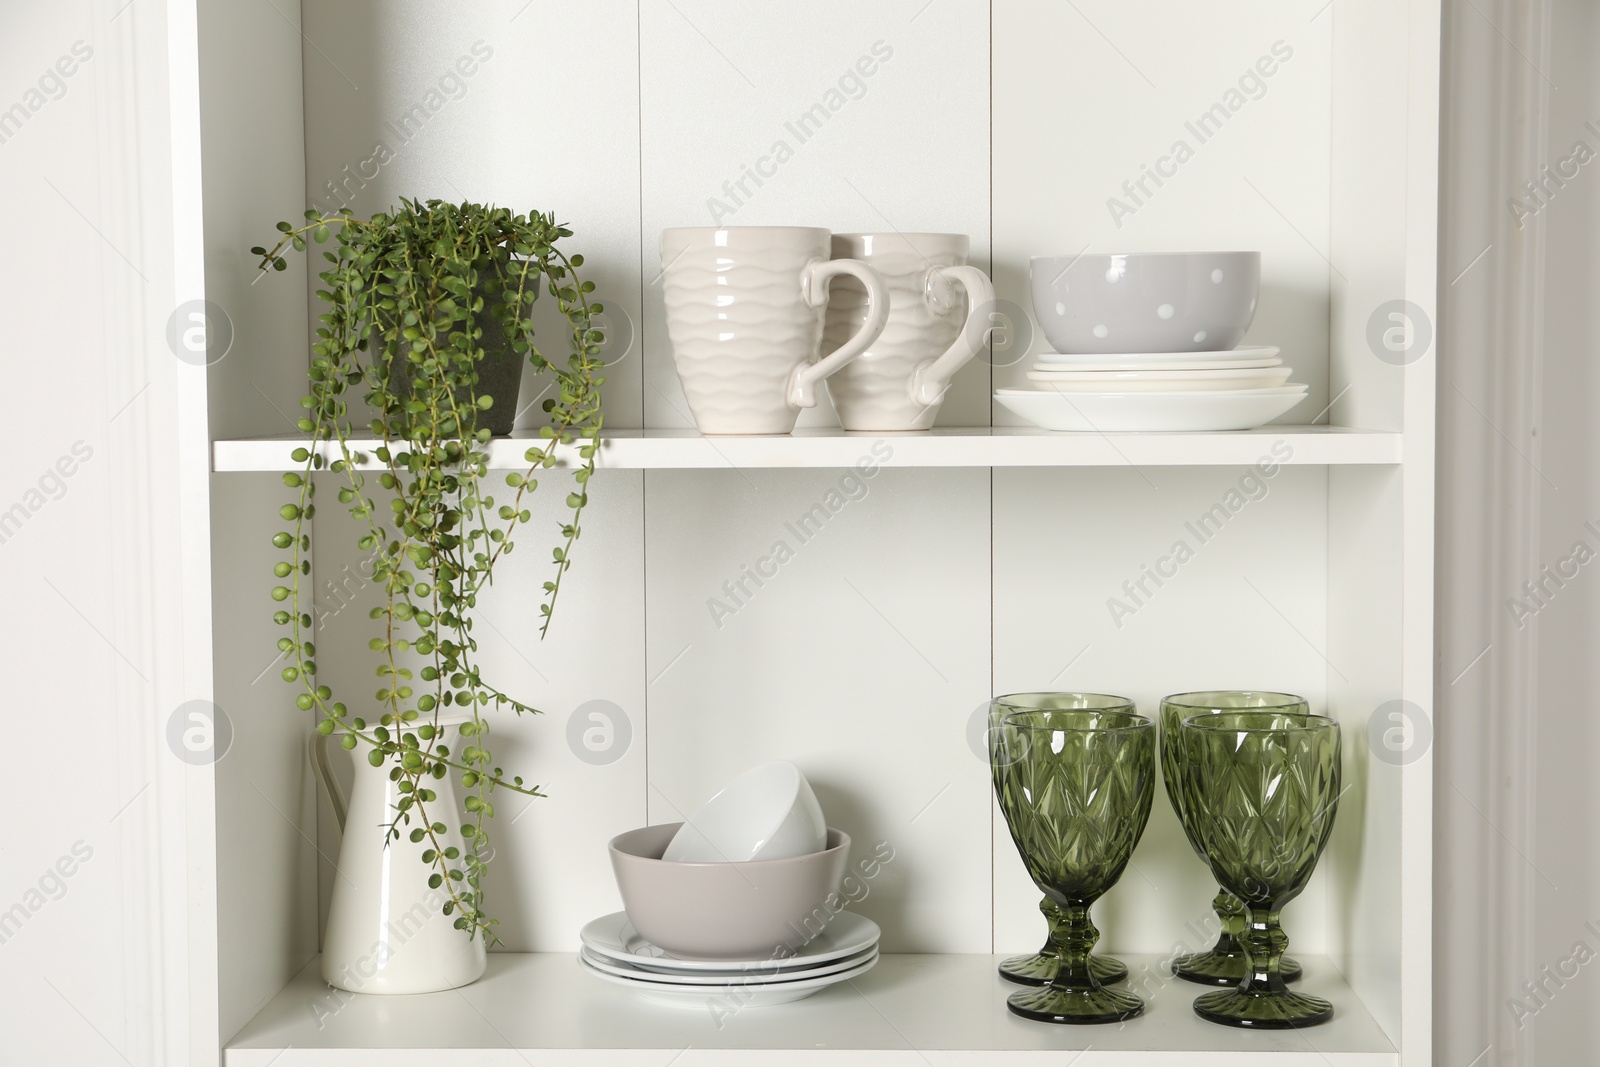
729	997
1242	352
614	937
1160	381
724	978
1210	364
1150	412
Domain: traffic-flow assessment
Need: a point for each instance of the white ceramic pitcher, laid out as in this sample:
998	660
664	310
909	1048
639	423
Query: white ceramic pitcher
386	930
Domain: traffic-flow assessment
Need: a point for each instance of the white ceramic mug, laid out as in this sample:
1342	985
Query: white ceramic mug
744	313
899	382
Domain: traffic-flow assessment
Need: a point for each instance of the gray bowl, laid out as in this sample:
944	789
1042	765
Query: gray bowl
1146	301
748	911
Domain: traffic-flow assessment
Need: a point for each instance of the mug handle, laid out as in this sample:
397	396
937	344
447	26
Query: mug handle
802	391
932	377
317	749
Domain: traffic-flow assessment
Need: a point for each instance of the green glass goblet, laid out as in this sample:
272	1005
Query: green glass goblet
1039	967
1262	789
1223	963
1075	786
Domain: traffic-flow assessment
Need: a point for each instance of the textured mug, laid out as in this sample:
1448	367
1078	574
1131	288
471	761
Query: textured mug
899	382
744	313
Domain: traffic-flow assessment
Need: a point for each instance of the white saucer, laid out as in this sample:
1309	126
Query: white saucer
1243	409
724	978
1112	363
1159	381
741	993
1242	352
613	937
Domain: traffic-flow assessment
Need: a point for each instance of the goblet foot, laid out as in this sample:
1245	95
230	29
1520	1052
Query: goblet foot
1062	1004
1223	967
1041	969
1265	1010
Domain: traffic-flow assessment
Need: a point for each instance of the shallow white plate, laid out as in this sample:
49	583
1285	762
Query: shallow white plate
1242	352
741	994
1150	412
614	937
1210	364
1160	381
724	978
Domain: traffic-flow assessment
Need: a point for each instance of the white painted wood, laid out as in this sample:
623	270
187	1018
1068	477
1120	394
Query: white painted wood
1007	446
265	805
1245	608
528	106
724	86
943	1010
1089	96
253	175
1365	649
838	620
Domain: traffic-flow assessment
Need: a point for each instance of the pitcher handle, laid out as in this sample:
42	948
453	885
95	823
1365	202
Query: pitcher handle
317	749
932	377
814	280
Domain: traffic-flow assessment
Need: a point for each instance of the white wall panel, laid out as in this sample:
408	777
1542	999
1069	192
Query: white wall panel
528	106
859	658
1089	96
723	84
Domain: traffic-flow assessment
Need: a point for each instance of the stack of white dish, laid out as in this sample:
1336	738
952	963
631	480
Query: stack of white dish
736	907
1147	342
613	951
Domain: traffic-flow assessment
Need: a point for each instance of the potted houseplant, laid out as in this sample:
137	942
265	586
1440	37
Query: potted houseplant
428	323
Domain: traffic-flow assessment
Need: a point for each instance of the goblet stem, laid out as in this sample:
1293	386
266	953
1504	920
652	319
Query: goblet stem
1076	936
1264	943
1230	920
1041	967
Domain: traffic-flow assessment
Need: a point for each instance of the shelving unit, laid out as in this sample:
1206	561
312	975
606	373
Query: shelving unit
978	558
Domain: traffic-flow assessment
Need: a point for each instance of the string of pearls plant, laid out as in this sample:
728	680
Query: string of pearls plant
404	292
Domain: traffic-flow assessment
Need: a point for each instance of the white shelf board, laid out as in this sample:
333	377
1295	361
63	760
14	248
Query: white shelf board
533	1010
979	446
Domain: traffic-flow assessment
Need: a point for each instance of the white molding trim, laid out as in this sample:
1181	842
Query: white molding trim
1488	492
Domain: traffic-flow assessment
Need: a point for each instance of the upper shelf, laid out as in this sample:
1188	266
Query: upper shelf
978	446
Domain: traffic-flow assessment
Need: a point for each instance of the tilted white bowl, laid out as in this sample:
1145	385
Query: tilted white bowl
767	813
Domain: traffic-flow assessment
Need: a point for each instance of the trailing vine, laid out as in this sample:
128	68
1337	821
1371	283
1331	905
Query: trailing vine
404	291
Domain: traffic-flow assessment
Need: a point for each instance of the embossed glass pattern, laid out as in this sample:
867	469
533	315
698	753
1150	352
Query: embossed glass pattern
1262	791
1075	787
1039	967
1223	963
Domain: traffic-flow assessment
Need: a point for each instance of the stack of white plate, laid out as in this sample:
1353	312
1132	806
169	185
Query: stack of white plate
1233	389
614	952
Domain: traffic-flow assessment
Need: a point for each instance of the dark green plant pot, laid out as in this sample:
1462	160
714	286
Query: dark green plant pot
499	372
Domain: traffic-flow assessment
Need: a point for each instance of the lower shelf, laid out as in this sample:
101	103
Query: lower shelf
540	1009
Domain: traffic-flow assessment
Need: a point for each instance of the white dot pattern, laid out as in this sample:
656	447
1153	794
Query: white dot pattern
1165	311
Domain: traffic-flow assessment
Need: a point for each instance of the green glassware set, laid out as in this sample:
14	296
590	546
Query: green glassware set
1254	780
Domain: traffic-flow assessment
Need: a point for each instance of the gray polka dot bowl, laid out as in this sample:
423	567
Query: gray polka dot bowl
1146	301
